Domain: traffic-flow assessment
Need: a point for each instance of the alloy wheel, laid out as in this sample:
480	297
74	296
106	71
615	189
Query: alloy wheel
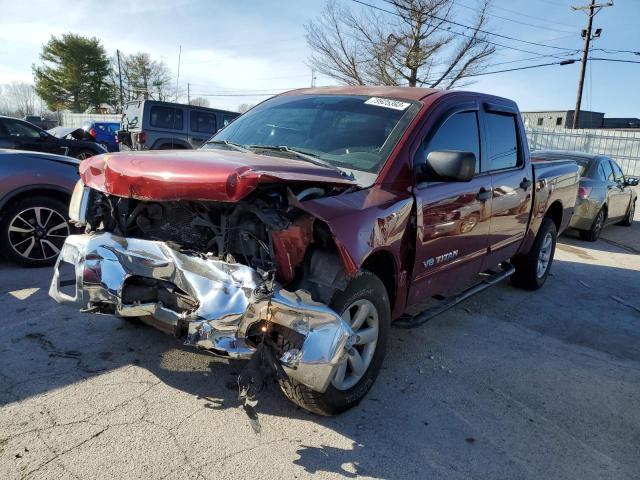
362	315
37	233
545	255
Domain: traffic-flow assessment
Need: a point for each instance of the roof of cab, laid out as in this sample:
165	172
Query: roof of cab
403	93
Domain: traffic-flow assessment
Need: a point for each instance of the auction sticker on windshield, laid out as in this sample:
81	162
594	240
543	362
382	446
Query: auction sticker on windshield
387	103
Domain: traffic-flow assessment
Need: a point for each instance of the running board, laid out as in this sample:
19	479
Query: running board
407	321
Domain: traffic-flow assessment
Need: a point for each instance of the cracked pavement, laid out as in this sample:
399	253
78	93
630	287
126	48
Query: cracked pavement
510	384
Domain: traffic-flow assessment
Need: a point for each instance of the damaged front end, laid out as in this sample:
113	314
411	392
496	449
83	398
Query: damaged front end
173	265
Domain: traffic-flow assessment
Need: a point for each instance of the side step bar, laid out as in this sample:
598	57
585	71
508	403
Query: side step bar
491	278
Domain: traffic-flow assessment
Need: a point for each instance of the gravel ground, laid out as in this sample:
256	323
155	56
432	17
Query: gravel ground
510	384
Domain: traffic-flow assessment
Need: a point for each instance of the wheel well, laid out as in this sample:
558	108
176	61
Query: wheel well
382	265
48	192
554	212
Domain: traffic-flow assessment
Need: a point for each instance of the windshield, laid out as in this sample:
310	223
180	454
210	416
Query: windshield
132	115
348	132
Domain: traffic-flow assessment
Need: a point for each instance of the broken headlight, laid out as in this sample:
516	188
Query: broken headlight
79	203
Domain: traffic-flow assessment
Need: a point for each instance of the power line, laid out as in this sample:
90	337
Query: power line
533	17
486	32
614	60
513	20
489	42
564	62
613	51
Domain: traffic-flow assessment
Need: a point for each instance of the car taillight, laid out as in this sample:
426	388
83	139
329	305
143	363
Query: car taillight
142	137
583	192
92	132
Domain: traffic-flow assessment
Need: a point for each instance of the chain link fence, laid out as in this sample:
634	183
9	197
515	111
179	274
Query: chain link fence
621	145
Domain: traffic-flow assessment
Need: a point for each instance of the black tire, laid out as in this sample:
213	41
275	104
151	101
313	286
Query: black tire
365	286
527	273
593	233
10	240
628	220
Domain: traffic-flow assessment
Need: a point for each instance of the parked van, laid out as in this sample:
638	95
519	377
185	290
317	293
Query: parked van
154	125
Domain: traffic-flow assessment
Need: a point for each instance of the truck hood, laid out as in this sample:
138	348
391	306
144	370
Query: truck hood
208	175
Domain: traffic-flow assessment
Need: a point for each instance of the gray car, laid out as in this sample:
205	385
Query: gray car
605	194
35	189
154	125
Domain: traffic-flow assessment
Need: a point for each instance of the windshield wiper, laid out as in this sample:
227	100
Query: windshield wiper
308	157
235	146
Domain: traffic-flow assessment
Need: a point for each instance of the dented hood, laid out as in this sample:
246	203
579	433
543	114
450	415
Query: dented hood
209	175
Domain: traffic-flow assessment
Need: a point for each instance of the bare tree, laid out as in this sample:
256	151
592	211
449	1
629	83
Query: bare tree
243	107
199	102
21	99
415	45
142	77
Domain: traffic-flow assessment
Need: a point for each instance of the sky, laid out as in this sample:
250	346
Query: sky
235	51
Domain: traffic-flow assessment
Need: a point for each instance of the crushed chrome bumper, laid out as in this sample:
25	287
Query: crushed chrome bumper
214	303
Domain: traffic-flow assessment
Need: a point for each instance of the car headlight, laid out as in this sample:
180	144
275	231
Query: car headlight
79	203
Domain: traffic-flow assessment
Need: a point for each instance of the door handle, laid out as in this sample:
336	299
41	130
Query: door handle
525	184
483	195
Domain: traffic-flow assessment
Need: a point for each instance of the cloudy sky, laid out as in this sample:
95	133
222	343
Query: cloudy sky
234	51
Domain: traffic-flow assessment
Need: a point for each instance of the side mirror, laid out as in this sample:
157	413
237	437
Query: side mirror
447	166
44	135
631	181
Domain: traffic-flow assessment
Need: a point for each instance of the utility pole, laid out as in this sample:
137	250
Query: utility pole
178	75
120	78
188	94
313	78
593	8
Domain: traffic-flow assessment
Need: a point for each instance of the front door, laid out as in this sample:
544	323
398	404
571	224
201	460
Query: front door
512	182
620	194
453	217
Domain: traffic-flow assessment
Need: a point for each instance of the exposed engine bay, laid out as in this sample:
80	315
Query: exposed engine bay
230	278
252	232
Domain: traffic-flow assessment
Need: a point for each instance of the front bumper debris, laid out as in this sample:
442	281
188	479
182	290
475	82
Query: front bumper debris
215	305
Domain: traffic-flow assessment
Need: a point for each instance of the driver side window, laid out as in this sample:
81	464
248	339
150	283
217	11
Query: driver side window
459	132
19	129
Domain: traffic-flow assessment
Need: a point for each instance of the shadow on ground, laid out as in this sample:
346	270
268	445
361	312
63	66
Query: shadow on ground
46	346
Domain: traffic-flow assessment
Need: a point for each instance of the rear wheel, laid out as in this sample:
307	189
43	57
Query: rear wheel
593	233
364	304
628	220
33	231
532	271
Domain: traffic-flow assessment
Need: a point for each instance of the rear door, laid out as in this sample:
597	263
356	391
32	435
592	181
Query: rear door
452	217
620	194
202	126
512	180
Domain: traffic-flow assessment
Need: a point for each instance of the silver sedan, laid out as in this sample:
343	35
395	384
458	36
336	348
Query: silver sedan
605	194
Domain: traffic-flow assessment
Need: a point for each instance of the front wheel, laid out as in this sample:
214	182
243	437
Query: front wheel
533	270
364	304
84	154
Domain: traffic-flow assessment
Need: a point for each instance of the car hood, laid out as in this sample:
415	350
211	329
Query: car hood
208	175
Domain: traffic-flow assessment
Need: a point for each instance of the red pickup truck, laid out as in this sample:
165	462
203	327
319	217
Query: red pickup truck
314	221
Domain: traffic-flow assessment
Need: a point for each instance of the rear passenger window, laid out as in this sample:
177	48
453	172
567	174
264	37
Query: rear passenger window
459	132
167	117
203	122
502	141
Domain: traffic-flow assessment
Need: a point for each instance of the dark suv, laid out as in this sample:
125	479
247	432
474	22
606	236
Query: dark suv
153	125
20	135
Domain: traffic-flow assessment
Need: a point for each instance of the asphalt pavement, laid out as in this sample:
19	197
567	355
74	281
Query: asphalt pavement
508	385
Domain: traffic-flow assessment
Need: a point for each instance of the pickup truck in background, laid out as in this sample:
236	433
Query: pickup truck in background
155	125
311	223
